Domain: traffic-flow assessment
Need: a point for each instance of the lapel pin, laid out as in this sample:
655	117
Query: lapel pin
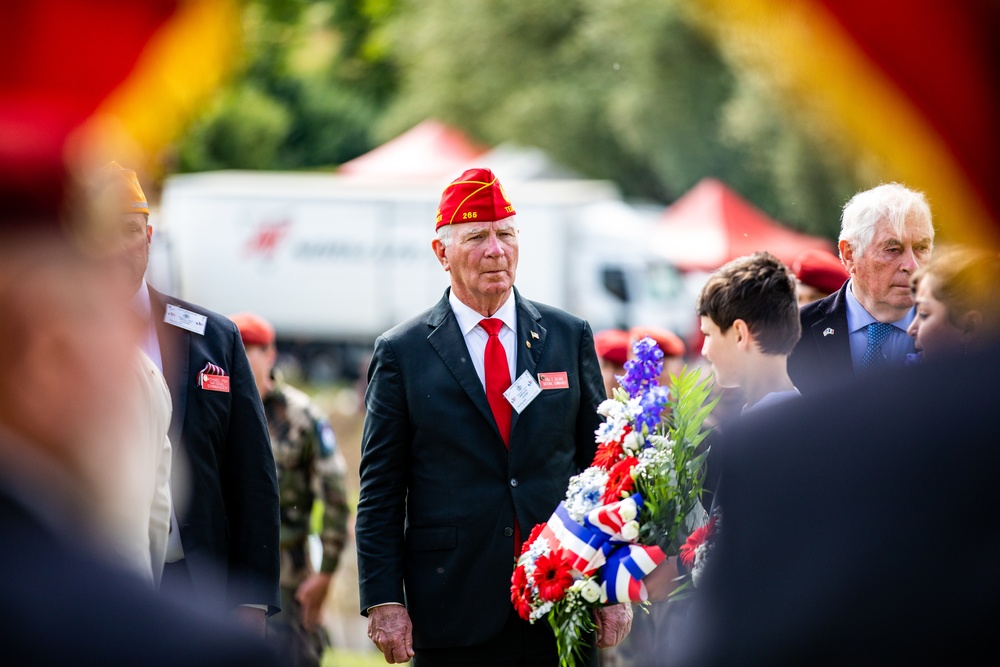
828	332
528	343
534	335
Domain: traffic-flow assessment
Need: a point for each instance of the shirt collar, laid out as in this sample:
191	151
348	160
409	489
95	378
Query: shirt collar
468	319
140	302
858	317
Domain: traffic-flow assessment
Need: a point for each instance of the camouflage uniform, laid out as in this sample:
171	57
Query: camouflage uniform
309	466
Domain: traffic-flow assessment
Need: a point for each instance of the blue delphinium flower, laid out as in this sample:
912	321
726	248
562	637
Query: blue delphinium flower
652	402
643	371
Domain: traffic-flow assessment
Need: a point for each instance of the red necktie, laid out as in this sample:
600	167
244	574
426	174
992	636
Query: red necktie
497	377
497	381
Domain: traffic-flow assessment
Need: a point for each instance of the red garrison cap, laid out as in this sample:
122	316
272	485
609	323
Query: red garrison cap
612	345
475	196
254	329
821	270
667	340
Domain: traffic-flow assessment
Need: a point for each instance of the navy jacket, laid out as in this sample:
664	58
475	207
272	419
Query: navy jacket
63	606
229	523
822	357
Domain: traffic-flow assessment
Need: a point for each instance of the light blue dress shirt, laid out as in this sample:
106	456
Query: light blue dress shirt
896	346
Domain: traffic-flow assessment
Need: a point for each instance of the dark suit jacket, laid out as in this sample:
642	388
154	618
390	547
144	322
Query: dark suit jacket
438	489
63	606
873	543
820	361
229	528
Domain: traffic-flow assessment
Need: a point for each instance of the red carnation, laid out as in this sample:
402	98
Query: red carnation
519	593
535	532
696	539
553	575
620	482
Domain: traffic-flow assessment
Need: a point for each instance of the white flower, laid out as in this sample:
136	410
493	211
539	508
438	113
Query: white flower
630	531
634	407
609	407
584	492
632	442
590	590
610	431
627	509
540	612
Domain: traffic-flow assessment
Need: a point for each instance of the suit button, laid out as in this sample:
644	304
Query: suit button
508	531
513	481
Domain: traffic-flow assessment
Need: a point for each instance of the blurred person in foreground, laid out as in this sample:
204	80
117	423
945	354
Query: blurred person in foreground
958	308
453	472
145	527
886	235
310	467
612	346
818	274
869	545
223	543
67	449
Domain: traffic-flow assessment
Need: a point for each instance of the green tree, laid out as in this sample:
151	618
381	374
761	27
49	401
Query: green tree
624	89
315	76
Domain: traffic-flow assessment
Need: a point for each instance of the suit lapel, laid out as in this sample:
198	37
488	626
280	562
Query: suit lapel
530	341
832	335
175	346
447	340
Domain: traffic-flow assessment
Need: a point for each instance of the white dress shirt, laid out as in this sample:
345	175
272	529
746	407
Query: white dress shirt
476	337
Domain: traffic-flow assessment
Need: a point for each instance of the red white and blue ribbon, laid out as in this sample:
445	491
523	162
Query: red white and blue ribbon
625	569
598	544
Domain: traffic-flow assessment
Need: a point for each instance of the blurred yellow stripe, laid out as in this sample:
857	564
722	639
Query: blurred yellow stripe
183	63
809	56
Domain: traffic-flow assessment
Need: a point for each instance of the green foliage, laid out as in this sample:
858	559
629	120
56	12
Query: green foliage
627	90
671	484
316	75
571	619
244	130
622	89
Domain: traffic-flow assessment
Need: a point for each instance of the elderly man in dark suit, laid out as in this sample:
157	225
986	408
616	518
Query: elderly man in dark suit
886	234
223	546
478	412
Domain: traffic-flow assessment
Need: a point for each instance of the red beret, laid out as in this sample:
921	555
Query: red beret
254	329
475	196
669	342
821	270
612	345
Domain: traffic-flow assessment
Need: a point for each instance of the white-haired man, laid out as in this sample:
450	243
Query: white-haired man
886	234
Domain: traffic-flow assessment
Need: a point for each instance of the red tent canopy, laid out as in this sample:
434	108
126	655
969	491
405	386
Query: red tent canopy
431	150
711	225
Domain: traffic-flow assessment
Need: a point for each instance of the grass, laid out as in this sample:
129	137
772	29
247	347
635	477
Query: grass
342	658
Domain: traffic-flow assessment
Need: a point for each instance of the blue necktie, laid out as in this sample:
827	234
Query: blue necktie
873	358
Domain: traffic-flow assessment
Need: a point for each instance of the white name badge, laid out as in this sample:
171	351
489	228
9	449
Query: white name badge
522	392
185	319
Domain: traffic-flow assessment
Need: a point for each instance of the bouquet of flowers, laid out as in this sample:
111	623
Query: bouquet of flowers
622	515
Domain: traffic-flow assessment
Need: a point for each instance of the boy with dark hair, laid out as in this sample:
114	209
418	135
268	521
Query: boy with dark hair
750	319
